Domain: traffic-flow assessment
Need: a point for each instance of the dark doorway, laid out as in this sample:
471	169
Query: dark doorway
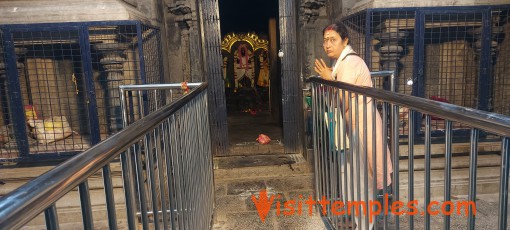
251	73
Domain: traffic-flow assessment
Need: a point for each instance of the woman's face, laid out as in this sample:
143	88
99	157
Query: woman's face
334	44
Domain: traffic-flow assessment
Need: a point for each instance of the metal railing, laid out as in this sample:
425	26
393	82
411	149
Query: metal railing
345	132
166	167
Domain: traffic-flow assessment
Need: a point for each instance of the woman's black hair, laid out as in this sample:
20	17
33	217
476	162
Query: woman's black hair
339	28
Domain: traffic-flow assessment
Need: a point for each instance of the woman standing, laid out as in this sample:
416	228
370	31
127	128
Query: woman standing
350	68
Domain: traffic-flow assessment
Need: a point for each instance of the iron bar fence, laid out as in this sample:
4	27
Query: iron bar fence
457	54
347	170
167	176
59	84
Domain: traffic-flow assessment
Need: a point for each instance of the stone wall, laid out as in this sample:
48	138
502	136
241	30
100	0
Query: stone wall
44	11
364	4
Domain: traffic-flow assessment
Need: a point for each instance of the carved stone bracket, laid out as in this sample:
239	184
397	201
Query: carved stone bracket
182	10
309	10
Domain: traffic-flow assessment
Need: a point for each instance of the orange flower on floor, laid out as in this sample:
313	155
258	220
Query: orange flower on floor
263	139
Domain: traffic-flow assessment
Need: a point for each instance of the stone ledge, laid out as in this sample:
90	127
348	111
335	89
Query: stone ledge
25	12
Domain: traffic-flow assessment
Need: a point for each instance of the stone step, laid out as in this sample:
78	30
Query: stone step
484	160
15	177
260	166
70	219
255	148
487	175
487	182
102	224
439	149
68	207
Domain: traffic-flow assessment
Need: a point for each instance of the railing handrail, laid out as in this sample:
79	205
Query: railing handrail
26	202
157	86
491	122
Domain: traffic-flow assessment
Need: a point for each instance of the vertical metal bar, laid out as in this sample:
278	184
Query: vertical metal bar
109	195
365	160
323	125
177	159
169	171
199	167
385	159
427	170
396	154
473	158
162	194
374	115
368	38
357	151
93	117
141	55
126	167
352	151
140	185
410	170
315	133
51	217
346	155
129	189
419	63
86	210
503	183
15	95
448	172
336	151
331	146
485	69
187	172
151	182
393	80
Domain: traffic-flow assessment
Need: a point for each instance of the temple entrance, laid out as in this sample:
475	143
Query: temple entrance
246	72
251	74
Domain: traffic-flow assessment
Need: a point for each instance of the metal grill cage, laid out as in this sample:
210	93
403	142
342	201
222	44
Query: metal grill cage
60	83
457	55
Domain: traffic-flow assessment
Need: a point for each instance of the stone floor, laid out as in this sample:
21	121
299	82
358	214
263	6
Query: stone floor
238	187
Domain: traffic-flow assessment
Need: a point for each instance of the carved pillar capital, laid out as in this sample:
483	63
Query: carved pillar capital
182	10
390	49
113	58
496	31
309	10
20	53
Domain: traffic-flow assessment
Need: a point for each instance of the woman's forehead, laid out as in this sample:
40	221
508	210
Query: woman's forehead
331	33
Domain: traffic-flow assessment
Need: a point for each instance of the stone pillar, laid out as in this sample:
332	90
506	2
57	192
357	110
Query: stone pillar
113	60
